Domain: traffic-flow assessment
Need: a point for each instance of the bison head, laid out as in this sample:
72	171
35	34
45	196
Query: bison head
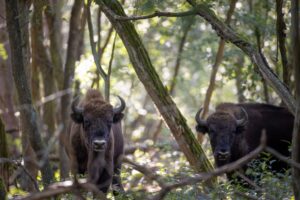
222	128
97	117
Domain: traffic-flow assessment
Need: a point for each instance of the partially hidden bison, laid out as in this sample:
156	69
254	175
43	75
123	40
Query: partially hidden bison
235	129
96	144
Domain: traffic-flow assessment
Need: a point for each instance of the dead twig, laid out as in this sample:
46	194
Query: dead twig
146	171
282	157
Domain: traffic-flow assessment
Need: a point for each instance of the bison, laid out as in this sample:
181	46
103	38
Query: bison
235	129
96	144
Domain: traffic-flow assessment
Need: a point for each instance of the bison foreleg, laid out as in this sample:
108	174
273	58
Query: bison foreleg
117	182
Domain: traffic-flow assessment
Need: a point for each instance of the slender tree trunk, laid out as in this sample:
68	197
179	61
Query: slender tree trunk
73	44
52	13
6	88
215	67
280	29
296	65
29	155
40	60
239	79
256	57
176	71
218	60
146	73
4	167
28	114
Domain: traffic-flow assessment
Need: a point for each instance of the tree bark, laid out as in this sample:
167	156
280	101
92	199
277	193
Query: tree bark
52	13
4	167
257	58
40	60
73	44
280	29
146	73
6	86
28	113
29	155
296	65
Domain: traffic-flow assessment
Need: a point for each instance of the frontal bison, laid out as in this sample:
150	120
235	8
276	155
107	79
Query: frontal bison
96	143
235	129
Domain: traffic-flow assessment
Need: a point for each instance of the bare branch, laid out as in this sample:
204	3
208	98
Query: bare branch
147	172
92	42
157	14
63	188
228	34
219	171
282	157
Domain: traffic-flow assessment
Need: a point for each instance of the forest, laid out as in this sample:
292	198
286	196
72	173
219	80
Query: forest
118	99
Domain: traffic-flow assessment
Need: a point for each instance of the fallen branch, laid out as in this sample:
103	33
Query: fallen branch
63	188
147	172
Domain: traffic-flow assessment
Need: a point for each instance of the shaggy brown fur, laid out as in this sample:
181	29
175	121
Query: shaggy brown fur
95	124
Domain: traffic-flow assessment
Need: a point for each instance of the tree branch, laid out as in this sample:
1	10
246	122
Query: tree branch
217	172
145	71
147	172
228	34
63	188
156	14
92	42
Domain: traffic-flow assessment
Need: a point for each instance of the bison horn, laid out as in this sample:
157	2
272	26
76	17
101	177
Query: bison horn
198	120
75	108
121	107
244	120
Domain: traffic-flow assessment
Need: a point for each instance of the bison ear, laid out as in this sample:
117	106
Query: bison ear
77	117
118	117
201	129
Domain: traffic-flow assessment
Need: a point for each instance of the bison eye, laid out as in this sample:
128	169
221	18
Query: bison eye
86	123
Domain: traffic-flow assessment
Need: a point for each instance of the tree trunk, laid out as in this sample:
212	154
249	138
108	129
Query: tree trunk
6	86
73	44
4	167
146	73
52	14
40	60
257	58
28	114
239	79
280	29
29	155
296	65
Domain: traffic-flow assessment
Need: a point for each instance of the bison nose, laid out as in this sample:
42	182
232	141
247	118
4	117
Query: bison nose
223	154
99	145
